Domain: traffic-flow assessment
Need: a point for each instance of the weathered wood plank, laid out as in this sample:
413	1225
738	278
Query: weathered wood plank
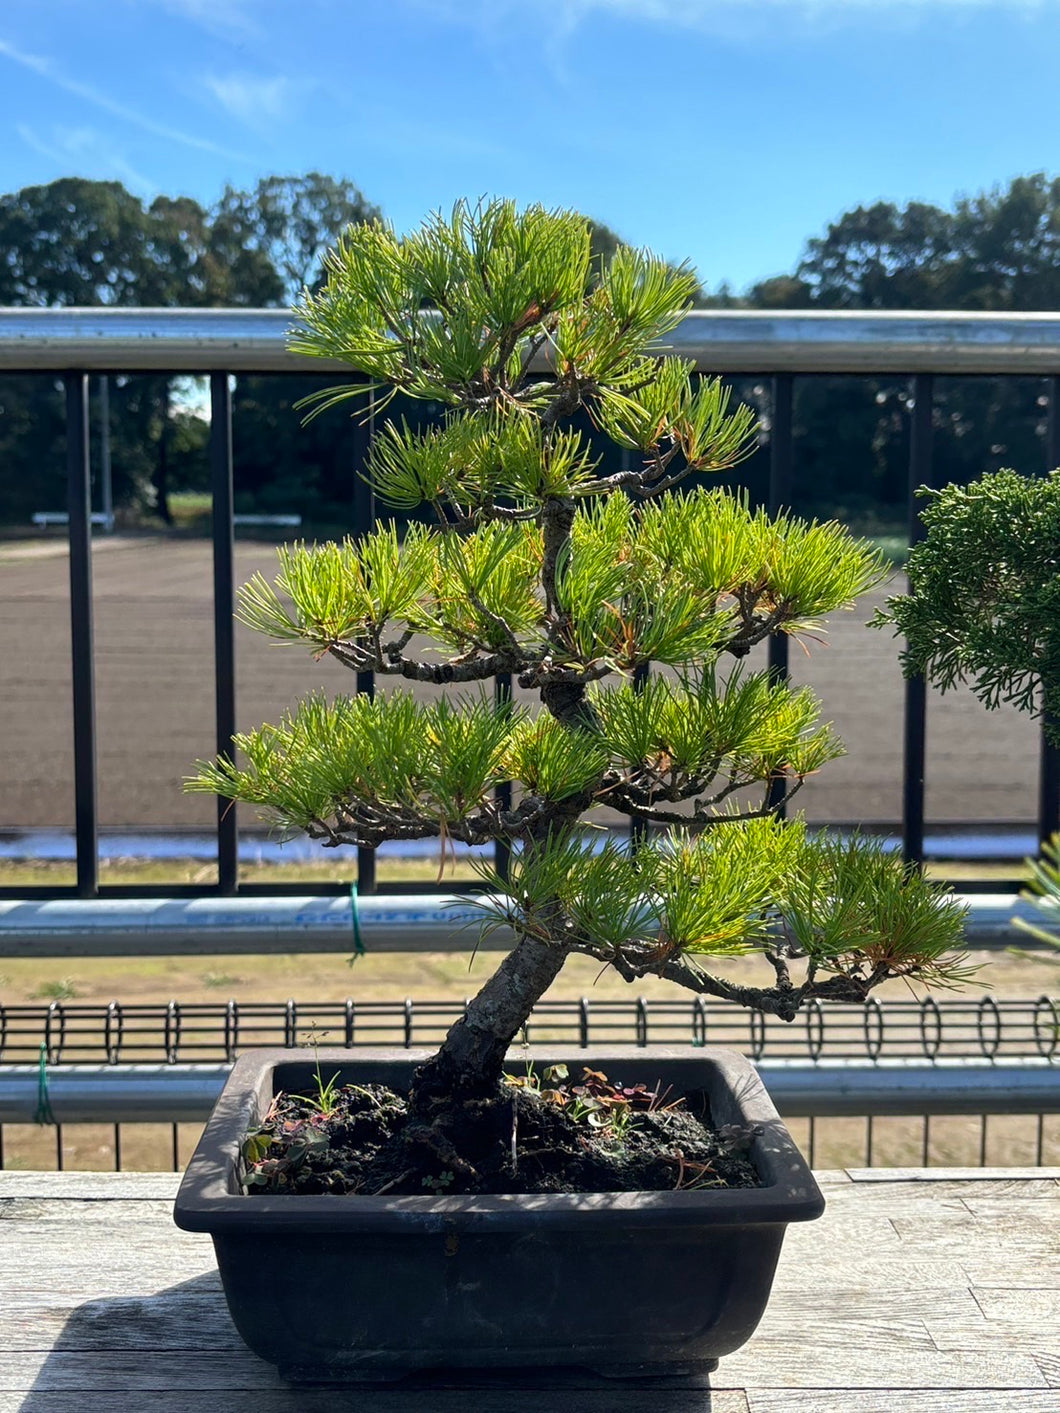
90	1187
762	1364
856	1269
1012	1231
897	1400
76	1212
608	1399
1006	1175
105	1301
970	1336
756	1367
1034	1305
995	1207
1003	1271
834	1307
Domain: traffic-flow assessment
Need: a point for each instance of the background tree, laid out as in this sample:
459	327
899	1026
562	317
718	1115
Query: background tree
281	230
993	251
82	243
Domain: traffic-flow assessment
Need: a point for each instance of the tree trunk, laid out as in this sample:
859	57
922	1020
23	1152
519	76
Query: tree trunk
471	1060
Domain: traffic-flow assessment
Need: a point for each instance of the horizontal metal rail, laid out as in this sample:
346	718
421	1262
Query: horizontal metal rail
720	341
121	1034
200	926
780	346
417	922
186	1093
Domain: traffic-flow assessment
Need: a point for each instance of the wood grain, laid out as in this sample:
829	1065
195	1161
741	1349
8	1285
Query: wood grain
897	1400
928	1294
481	1400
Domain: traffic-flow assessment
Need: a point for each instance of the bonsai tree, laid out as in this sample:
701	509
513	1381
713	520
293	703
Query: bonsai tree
983	609
575	581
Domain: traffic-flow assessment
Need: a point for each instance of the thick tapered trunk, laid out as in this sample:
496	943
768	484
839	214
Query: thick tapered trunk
471	1059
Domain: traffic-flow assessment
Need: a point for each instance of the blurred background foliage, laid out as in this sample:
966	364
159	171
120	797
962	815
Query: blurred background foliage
80	242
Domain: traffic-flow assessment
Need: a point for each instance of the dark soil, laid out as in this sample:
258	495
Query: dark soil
579	1136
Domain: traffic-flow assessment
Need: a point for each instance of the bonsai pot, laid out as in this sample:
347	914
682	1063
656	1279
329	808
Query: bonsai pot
350	1289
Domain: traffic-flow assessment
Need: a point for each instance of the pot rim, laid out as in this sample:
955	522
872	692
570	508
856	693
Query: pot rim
208	1199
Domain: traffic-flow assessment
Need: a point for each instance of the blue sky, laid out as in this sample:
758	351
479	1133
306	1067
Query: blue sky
724	131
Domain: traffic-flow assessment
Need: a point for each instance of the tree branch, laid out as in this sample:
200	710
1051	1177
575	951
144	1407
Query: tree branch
395	664
698	819
782	1000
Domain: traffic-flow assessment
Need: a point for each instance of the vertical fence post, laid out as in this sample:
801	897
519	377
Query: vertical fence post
223	610
363	520
915	687
781	485
502	852
79	506
1049	760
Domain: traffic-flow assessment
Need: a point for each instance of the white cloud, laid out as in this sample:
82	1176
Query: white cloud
254	99
46	69
88	152
706	15
224	19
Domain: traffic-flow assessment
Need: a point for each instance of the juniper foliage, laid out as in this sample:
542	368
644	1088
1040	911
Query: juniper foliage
983	606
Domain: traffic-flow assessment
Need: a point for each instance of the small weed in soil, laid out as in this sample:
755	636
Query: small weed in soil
541	1133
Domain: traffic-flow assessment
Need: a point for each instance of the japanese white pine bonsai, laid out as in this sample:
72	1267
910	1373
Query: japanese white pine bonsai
540	565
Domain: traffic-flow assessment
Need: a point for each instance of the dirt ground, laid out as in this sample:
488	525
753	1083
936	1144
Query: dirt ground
431	976
154	684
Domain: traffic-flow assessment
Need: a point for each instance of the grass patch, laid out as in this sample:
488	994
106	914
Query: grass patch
61	989
45	873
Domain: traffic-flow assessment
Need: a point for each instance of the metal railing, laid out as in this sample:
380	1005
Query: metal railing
868	1083
780	347
926	1032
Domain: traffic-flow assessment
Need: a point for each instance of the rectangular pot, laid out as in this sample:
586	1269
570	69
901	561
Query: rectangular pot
365	1288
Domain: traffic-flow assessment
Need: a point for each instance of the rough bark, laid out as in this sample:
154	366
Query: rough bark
471	1059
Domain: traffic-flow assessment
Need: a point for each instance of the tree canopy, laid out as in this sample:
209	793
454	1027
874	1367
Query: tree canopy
76	242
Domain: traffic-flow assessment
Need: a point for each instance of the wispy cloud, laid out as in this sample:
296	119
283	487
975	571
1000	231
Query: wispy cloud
254	99
707	15
224	19
92	153
46	69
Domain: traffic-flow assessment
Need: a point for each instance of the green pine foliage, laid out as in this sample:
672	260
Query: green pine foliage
847	909
984	593
539	566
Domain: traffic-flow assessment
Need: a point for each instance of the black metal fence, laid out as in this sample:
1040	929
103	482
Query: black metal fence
174	1032
778	348
919	1140
906	1083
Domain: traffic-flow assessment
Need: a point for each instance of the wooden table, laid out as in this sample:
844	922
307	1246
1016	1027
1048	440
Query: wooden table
918	1290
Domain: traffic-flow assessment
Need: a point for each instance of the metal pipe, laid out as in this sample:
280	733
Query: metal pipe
91	1094
187	1093
720	341
128	927
413	922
